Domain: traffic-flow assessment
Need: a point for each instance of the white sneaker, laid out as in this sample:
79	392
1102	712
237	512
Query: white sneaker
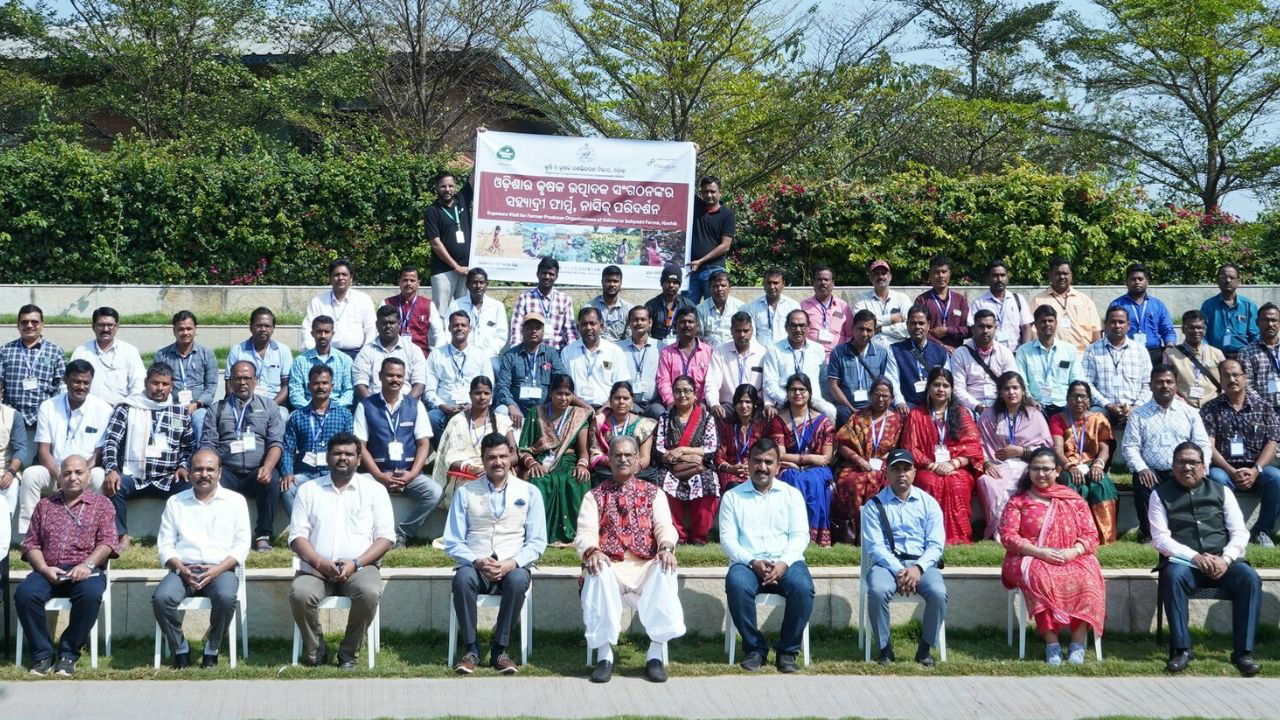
1053	654
1075	654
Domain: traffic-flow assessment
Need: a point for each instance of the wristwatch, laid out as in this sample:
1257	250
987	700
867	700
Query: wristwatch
90	564
356	564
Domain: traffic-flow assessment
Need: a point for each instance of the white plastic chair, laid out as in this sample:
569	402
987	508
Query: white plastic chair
1018	607
338	602
495	601
762	600
204	603
59	604
864	639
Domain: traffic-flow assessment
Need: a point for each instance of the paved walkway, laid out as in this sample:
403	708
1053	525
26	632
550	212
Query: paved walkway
954	698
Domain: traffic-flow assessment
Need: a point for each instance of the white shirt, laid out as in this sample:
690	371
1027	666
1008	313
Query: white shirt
771	323
353	319
342	524
79	433
595	372
716	325
1011	314
733	369
117	373
368	363
450	372
199	533
974	386
890	332
782	361
1162	540
488	323
421	425
642	366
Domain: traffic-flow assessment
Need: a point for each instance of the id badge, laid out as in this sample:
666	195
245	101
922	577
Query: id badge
30	384
1140	338
248	441
859	396
988	391
530	392
941	454
825	336
1273	386
921	385
395	451
877	464
955	312
459	238
1196	391
315	459
155	450
1003	336
1237	447
1084	469
184	397
1064	322
1226	338
237	447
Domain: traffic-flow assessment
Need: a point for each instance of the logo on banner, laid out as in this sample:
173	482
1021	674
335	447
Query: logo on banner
506	152
586	154
662	163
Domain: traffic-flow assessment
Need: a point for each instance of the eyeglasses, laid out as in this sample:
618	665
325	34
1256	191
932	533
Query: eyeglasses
1185	462
682	391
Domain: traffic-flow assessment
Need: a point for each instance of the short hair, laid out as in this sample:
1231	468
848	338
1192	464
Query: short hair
345	438
1161	369
1231	265
388	311
686	310
1045	311
78	367
390	361
938	261
476	272
1192	315
492	440
765	445
1058	261
102	312
262	310
184	315
560	380
822	268
341	262
1137	267
803	314
640	308
617	440
982	314
775	271
317	370
589	310
31	308
917	309
709	180
322	320
441	176
409	269
611	271
459	313
1114	308
160	369
996	264
862	316
1188	445
1267	306
548	263
740	317
718	274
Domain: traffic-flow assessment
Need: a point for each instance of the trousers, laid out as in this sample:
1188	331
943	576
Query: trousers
1240	581
221	592
129	489
741	586
1268	488
365	590
882	586
469	584
265	497
656	600
86	599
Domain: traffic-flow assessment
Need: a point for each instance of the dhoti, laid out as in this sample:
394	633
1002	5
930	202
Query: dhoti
643	586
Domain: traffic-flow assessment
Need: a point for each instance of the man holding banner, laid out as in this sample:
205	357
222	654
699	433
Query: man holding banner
448	227
712	238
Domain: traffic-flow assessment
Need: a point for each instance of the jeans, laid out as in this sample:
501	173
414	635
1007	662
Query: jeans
221	592
129	489
1267	485
1241	582
426	495
86	599
468	584
741	586
882	586
700	284
265	496
197	424
300	478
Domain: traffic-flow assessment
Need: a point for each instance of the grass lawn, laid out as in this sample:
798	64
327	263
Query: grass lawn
835	652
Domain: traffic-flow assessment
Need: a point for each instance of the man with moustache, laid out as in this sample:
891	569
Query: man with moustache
1012	312
888	305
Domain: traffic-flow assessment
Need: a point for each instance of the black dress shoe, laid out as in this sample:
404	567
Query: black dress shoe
1245	663
209	661
1178	661
752	662
603	672
786	663
347	665
654	671
181	660
923	656
321	659
886	655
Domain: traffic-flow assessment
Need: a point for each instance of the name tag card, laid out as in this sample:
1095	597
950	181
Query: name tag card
941	454
530	392
921	385
876	464
1196	391
315	459
1237	447
30	384
459	237
185	397
825	335
395	451
859	396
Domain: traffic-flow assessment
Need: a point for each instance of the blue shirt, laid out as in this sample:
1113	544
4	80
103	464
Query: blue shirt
270	369
518	367
197	372
850	371
535	525
763	526
1151	317
910	370
299	380
307	432
1230	328
916	527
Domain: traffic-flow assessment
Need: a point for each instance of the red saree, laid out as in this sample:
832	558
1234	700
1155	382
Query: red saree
855	487
954	491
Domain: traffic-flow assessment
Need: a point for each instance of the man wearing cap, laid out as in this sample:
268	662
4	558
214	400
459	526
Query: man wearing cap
903	536
889	306
525	370
664	307
1012	311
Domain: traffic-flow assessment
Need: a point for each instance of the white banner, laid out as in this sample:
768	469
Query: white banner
587	202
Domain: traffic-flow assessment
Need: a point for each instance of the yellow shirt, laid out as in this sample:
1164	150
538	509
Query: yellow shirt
1189	376
1078	317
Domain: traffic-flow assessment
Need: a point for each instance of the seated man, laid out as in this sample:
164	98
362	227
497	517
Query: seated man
71	537
665	306
555	306
195	369
271	361
339	363
1199	531
389	344
147	452
388	425
979	362
855	365
247	431
73	422
497	529
794	355
340	528
204	533
450	370
688	355
626	541
307	434
525	370
903	536
594	363
764	530
738	361
916	357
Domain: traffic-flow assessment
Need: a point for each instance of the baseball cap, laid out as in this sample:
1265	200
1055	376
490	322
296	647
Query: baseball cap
534	316
900	456
878	264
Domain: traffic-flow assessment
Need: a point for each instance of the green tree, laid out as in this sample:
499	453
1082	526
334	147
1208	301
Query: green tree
989	37
24	97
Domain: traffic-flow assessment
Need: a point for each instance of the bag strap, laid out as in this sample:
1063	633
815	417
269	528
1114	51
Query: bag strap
884	525
978	358
1199	366
874	376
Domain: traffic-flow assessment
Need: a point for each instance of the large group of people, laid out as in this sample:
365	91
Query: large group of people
624	430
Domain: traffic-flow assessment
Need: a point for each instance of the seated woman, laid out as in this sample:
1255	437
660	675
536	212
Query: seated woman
861	447
943	439
737	433
614	419
458	447
1049	542
553	455
1083	442
807	438
685	448
1010	430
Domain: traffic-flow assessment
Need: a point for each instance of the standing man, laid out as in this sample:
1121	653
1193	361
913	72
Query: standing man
1230	318
117	366
613	309
1262	356
764	530
713	231
389	344
1154	430
903	537
552	304
1245	430
71	538
1012	312
450	371
488	316
195	370
916	357
641	352
1149	321
31	368
307	434
688	356
829	316
979	362
497	529
716	311
1116	368
1195	362
593	363
419	320
525	370
1049	364
248	433
204	534
270	360
447	222
769	311
626	541
396	437
855	365
889	306
351	310
1077	315
948	311
791	356
147	451
321	353
737	362
664	306
340	528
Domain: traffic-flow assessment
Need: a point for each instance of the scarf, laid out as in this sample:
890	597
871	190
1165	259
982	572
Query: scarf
138	432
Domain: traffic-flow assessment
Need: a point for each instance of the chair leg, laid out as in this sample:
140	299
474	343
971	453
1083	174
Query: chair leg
93	646
1021	603
106	612
730	637
942	640
1097	645
1008	640
231	642
453	632
155	660
526	633
372	641
297	642
804	640
17	650
244	621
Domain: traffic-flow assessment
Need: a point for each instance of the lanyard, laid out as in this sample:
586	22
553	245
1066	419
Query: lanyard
406	314
244	408
393	418
32	358
184	365
1048	365
824	309
457	217
315	424
1115	362
78	519
686	361
876	437
769	314
639	363
531	367
454	354
1078	431
941	428
669	314
802	440
1011	424
545	300
622	429
476	437
72	429
591	360
564	419
1275	361
798	362
742	367
944	309
1140	312
98	351
744	442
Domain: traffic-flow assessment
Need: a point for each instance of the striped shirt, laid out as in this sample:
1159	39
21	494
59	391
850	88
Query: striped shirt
42	361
